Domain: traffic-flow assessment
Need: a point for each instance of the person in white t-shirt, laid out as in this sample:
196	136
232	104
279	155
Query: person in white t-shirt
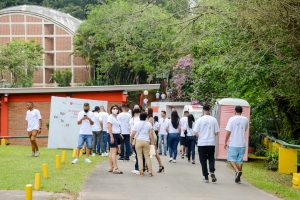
103	115
183	142
190	139
114	131
173	129
206	128
85	120
236	134
34	126
124	118
142	131
96	130
162	132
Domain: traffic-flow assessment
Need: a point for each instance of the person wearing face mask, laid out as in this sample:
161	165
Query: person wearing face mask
85	121
114	131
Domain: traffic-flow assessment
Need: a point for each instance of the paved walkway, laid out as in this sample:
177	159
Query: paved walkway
180	181
36	195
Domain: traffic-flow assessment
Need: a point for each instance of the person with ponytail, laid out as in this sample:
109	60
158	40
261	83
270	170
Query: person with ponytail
173	129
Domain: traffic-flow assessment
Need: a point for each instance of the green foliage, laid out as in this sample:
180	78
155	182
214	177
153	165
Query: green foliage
20	59
272	161
63	77
126	43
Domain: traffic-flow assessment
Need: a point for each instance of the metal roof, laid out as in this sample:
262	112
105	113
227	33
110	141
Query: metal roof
34	90
66	21
233	102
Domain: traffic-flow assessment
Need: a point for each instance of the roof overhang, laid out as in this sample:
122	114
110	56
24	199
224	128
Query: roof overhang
109	88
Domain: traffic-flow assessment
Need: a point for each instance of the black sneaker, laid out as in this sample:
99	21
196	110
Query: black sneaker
127	159
121	159
213	178
238	177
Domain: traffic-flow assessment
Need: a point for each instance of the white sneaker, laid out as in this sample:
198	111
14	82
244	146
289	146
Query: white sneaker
174	161
36	154
171	159
33	154
135	172
106	154
93	154
87	160
75	161
205	180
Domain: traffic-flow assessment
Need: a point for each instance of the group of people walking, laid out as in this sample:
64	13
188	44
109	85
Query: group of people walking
141	134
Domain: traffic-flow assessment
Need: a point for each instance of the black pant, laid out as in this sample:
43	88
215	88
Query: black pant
125	147
190	142
207	153
157	136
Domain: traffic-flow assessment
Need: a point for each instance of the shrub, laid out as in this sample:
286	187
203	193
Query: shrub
272	161
63	78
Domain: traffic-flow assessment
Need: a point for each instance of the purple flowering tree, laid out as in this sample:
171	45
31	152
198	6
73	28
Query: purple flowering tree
181	73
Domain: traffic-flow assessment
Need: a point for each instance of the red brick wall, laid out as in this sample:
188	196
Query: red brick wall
4	29
17	125
63	43
63	59
34	29
4	18
33	19
81	74
18	29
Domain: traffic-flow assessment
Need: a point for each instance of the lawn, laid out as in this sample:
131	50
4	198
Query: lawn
273	182
17	169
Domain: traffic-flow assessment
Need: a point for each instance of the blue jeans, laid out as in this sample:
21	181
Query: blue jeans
162	141
105	141
125	147
173	140
87	139
236	154
191	141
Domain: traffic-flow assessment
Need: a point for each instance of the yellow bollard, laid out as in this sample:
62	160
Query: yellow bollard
63	156
57	163
37	181
296	180
266	142
81	152
28	191
74	153
287	160
45	170
3	142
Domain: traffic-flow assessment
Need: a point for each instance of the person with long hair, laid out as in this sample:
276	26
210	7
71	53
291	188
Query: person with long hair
142	132
114	130
155	128
183	137
150	118
173	129
190	139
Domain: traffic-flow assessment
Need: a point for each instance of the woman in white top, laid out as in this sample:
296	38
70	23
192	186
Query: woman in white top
114	131
142	131
173	129
190	138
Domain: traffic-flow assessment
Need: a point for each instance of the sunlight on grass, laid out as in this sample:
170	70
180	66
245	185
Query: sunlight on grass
18	168
273	182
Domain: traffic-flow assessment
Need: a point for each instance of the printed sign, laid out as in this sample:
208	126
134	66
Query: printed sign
63	128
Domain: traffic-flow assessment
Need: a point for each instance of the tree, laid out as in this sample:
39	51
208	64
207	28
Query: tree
63	77
127	42
20	59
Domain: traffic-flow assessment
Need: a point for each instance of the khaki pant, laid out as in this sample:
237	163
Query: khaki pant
143	147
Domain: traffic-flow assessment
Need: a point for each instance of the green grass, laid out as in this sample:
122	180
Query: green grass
270	181
17	169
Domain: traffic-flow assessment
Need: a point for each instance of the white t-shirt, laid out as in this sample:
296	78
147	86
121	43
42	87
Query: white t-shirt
155	126
124	119
142	129
116	128
133	121
190	130
238	126
184	125
85	126
33	119
163	124
172	129
206	127
103	118
96	126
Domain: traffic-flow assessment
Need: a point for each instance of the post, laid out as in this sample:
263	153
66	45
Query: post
57	163
287	160
3	142
45	170
63	156
28	191
81	152
74	153
37	181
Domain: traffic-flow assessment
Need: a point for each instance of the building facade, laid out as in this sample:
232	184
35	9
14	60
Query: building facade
53	30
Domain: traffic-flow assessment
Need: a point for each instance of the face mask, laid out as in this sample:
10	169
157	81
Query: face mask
86	110
115	111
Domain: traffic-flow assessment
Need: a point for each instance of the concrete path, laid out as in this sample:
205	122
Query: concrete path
36	195
180	181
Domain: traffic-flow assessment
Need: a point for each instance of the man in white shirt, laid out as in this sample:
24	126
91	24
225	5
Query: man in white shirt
183	121
85	120
236	134
104	139
34	126
162	132
206	128
124	119
97	134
